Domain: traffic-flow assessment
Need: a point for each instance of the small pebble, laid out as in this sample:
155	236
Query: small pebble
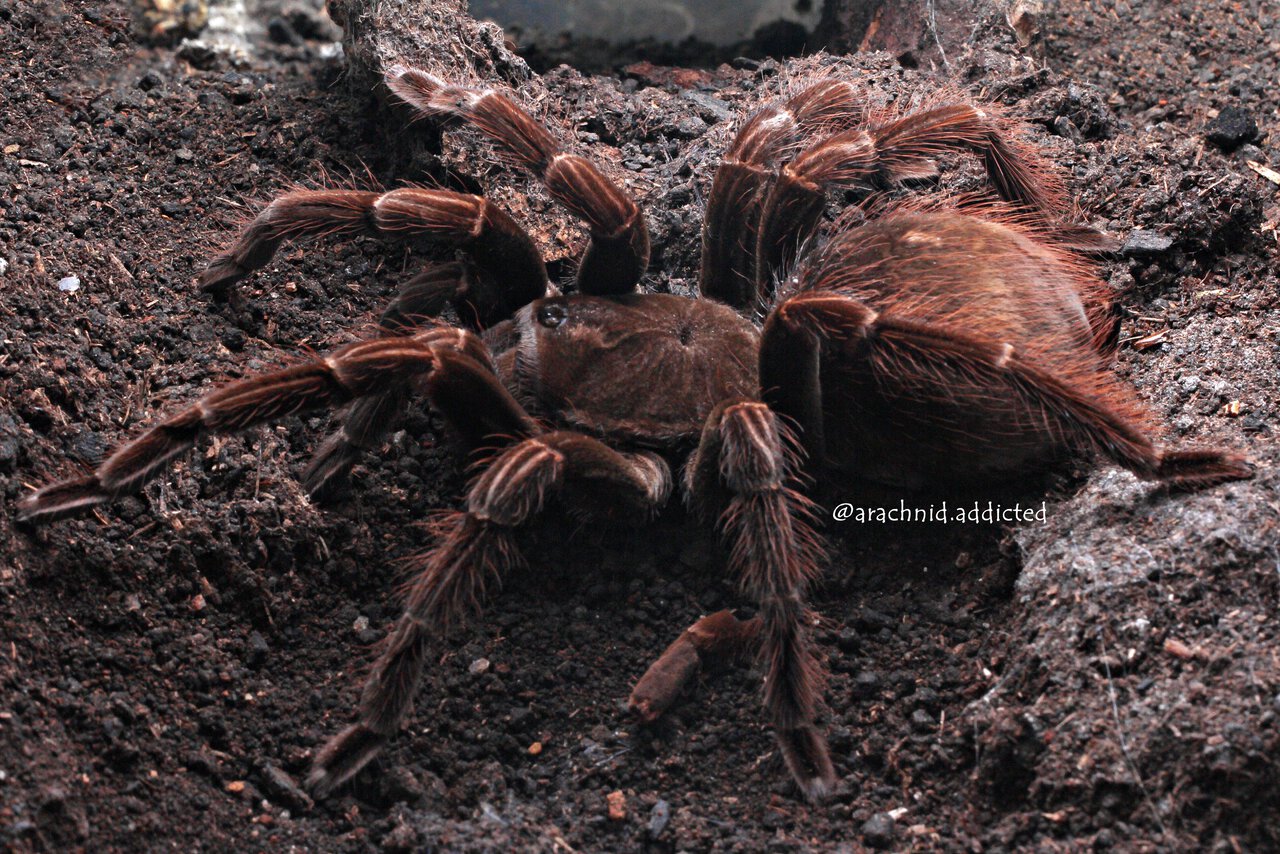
617	805
184	155
1231	128
1143	243
921	721
480	665
258	649
282	789
4	266
659	817
866	685
69	285
877	831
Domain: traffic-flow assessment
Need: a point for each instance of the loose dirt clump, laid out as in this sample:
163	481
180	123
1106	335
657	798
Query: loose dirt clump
1105	678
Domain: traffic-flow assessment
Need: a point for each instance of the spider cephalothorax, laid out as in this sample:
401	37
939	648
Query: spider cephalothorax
919	346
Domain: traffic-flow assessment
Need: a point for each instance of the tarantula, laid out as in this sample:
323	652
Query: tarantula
916	347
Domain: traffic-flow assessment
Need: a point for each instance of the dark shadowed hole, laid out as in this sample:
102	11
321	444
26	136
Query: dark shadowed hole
608	35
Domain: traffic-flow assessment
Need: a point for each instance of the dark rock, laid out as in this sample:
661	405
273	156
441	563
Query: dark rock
282	32
710	107
233	340
848	641
258	650
150	80
89	447
878	830
1232	128
866	685
921	721
1143	243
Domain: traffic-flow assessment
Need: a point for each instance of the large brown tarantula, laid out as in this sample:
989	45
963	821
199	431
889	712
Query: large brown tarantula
920	346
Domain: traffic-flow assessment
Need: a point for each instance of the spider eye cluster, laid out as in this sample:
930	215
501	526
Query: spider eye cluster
553	315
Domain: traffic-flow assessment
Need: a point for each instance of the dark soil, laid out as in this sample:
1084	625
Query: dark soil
1107	678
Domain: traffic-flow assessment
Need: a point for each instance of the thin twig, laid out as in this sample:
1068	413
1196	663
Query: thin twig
1124	744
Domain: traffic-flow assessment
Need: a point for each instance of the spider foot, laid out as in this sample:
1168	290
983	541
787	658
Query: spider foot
806	755
64	498
342	758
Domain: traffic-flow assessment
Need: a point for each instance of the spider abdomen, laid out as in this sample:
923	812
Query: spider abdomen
890	414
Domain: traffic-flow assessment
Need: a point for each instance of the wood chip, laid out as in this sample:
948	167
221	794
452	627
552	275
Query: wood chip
1146	342
1232	409
1265	171
535	748
1173	646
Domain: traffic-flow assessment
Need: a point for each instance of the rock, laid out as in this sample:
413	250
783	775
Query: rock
200	54
69	284
922	721
282	789
659	817
877	831
4	266
617	801
1143	243
258	650
711	107
282	32
479	666
866	685
1232	128
184	155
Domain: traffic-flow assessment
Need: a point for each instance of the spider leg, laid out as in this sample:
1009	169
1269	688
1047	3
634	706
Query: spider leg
737	190
618	253
476	547
367	420
891	152
357	370
742	474
497	244
917	360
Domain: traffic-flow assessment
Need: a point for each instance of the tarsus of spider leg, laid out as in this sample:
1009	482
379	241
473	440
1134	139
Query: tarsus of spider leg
496	242
895	151
366	367
733	207
618	253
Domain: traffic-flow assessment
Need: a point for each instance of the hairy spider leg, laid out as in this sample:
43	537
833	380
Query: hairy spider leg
744	475
498	246
741	180
475	548
356	370
889	152
618	252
